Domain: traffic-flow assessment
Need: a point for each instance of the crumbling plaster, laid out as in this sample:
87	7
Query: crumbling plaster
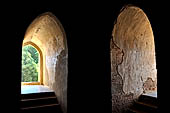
132	58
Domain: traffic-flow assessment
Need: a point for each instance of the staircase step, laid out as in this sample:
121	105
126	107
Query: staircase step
148	99
37	95
145	107
45	108
38	101
44	102
147	104
134	110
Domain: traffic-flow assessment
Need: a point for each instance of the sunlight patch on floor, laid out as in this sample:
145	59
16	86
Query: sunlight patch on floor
25	89
152	94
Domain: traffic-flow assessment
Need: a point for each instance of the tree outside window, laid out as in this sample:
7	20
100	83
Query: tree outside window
30	64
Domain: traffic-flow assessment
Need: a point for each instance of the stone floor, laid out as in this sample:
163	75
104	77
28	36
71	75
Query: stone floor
25	89
152	94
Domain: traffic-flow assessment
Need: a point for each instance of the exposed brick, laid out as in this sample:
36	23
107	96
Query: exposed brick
132	58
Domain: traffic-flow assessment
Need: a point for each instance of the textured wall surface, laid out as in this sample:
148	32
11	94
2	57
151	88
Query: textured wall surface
48	34
133	64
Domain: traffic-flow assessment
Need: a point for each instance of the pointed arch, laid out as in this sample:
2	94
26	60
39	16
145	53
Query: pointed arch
40	76
47	33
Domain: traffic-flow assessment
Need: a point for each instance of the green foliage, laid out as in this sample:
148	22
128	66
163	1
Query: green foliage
30	64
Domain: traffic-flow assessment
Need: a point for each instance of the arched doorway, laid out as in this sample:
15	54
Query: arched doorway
38	56
47	35
133	62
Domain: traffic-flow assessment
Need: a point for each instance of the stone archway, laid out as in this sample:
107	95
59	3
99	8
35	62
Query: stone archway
48	34
133	62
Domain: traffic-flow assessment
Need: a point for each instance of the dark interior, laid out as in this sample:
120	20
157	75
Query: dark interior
88	28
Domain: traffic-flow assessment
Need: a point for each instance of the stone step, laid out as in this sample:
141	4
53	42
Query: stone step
148	99
145	107
51	108
37	95
38	101
44	102
145	104
134	110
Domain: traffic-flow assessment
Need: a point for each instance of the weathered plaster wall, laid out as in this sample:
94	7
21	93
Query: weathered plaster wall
47	33
133	65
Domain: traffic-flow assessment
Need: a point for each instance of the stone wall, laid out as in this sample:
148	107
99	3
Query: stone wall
48	34
133	64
